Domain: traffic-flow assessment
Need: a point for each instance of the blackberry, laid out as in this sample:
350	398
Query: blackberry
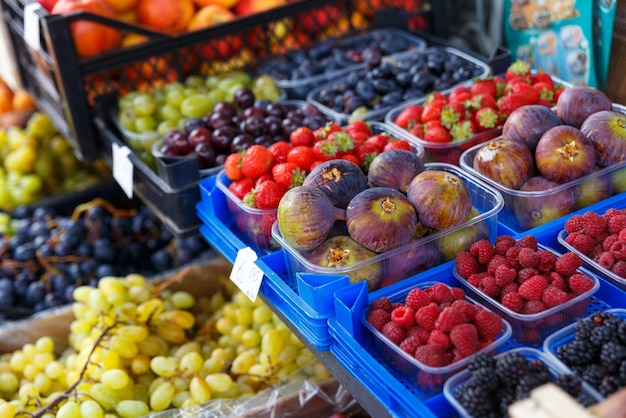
583	328
622	373
611	355
609	385
538	368
622	331
594	374
482	361
511	367
585	399
506	396
606	333
529	382
485	378
569	383
577	352
477	401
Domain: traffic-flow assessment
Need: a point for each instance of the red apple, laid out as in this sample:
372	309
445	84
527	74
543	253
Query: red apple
48	4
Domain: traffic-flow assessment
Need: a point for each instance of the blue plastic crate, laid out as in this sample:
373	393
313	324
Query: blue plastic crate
354	347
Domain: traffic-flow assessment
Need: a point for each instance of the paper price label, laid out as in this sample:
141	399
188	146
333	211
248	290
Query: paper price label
123	169
31	25
246	274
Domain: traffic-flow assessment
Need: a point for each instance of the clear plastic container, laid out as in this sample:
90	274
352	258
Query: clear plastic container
482	70
414	370
533	328
556	369
299	88
418	255
523	210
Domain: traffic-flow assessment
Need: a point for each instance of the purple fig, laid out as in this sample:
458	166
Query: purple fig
442	199
564	154
340	179
412	259
618	178
381	219
575	104
394	168
508	163
607	131
592	190
527	123
306	216
534	210
341	253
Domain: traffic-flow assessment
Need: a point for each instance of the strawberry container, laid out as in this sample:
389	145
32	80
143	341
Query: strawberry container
421	254
299	87
523	209
533	328
320	95
406	364
556	369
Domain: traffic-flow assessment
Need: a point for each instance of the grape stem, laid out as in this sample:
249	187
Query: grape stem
68	392
169	282
98	201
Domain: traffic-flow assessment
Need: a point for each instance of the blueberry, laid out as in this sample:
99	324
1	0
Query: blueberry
365	89
423	81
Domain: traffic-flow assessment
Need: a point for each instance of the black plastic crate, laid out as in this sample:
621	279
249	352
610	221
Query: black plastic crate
66	86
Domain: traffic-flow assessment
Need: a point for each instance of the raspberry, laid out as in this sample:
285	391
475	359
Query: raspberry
410	344
396	305
553	296
525	274
483	250
378	317
505	275
448	318
528	241
546	261
533	288
419	333
476	278
427	316
594	224
440	338
464	338
609	213
606	259
503	243
609	241
580	283
621	235
616	223
533	306
468	309
568	263
403	316
465	264
394	332
440	293
381	303
496	261
527	257
581	241
513	301
597	249
512	255
431	355
619	250
511	287
556	280
489	287
457	293
488	324
619	268
574	224
416	298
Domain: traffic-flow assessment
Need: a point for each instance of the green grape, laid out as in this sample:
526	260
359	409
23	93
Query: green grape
194	81
69	409
183	300
166	126
40	126
18	361
159	94
272	343
261	315
144	104
41	360
7	409
199	389
9	382
180	398
169	113
240	77
212	82
163	366
191	362
217	95
31	184
134	333
196	106
91	408
115	379
104	395
5	222
161	398
151	308
223	325
188	347
243	362
126	312
45	164
54	370
219	382
27	391
126	101
132	409
140	364
125	347
244	315
146	123
21	160
250	338
42	383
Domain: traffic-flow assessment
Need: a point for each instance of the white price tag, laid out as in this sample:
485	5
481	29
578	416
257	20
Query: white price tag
31	25
123	169
246	274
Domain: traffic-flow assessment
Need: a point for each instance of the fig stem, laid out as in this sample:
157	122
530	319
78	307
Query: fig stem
569	150
387	206
339	214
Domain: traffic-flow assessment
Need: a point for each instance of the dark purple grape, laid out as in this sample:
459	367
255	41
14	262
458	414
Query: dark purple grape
225	108
217	120
295	115
205	154
220	159
241	142
193	123
274	125
308	109
254	126
168	151
262	103
289	126
253	111
182	146
315	122
171	137
199	136
264	140
277	109
223	137
244	98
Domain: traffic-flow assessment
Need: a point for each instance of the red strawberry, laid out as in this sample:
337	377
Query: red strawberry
288	174
397	144
500	84
378	141
325	150
409	116
486	86
543	77
366	154
451	114
358	126
437	134
545	91
232	167
256	161
352	158
526	90
324	131
267	195
481	101
241	187
518	68
558	89
417	130
487	118
302	135
459	94
264	177
343	140
434	96
302	156
280	150
432	111
510	102
463	130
